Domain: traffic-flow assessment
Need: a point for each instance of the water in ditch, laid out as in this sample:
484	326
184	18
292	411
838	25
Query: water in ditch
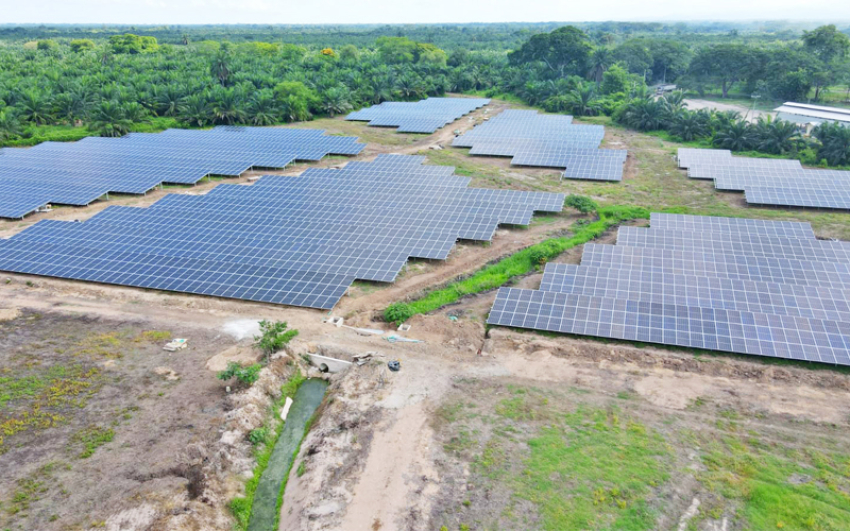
307	399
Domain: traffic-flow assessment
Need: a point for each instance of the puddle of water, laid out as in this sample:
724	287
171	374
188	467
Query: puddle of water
306	401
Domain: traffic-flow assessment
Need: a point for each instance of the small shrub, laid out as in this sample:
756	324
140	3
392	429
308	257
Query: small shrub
258	435
583	204
538	257
244	375
301	470
273	336
398	312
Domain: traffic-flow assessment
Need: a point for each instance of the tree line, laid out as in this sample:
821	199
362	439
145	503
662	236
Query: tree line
52	87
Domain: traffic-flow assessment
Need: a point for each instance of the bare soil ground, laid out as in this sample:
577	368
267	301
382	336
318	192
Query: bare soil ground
473	433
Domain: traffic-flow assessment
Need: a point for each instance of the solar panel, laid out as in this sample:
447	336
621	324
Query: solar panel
543	140
770	182
812	302
758	287
78	173
788	229
799	197
424	116
753	333
286	240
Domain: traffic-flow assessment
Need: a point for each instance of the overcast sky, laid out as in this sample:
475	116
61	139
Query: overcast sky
408	11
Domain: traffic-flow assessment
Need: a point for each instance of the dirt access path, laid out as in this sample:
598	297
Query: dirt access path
747	113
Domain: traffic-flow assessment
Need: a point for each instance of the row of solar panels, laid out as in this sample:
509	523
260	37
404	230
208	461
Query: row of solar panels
773	182
756	287
79	173
545	140
425	116
287	240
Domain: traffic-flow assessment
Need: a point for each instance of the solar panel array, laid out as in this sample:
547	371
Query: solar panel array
766	288
774	182
424	116
546	140
298	241
78	173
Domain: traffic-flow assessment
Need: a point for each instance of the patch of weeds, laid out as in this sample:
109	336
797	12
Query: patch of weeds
301	470
760	478
523	406
449	413
258	435
105	345
91	439
36	401
459	443
612	465
30	489
154	336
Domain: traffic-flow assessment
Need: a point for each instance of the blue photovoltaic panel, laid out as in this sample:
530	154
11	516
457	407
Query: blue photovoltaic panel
769	182
766	288
546	140
425	116
287	240
77	173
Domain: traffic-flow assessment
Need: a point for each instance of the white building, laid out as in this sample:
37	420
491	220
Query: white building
810	116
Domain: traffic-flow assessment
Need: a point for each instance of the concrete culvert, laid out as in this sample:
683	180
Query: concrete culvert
323	367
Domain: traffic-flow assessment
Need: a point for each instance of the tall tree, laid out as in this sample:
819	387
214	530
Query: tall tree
565	51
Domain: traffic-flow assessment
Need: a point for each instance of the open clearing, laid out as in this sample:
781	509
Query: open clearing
102	429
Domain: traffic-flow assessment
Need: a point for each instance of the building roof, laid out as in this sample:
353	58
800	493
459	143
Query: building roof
815	111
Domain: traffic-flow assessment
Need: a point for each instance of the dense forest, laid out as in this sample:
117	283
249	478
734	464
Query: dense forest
66	82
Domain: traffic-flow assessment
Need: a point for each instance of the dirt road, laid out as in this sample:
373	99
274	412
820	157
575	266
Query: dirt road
747	113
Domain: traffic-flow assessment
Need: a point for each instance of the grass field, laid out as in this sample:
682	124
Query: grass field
569	459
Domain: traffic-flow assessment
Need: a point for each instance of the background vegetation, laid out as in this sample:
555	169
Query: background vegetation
67	82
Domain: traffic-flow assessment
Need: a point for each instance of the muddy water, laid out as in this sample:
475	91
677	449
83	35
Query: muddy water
305	403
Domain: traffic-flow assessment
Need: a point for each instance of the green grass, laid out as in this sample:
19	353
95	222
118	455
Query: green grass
594	471
91	439
572	467
242	506
521	263
68	133
760	478
29	490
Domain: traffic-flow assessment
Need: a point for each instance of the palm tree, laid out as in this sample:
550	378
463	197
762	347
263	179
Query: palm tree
263	108
600	60
226	106
220	66
169	102
35	107
644	114
9	124
689	125
335	101
196	112
736	136
582	101
835	143
110	120
776	136
675	100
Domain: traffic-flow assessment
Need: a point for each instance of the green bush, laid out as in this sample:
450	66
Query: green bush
258	435
273	336
583	204
538	257
244	375
398	312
